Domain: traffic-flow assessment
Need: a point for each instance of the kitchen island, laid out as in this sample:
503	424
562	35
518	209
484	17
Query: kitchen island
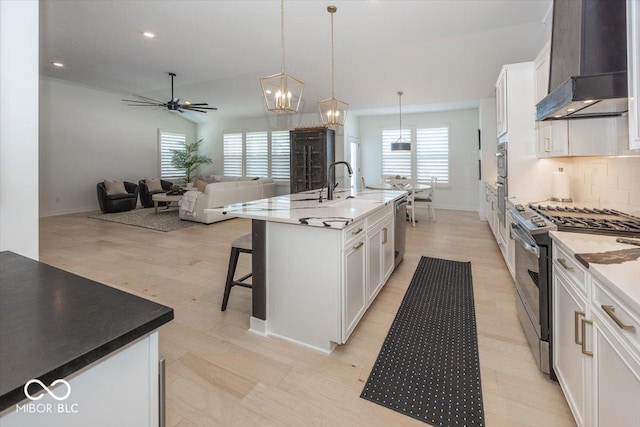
317	266
94	347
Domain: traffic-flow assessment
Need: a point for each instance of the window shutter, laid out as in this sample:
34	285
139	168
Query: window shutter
168	143
257	148
432	154
232	154
395	162
280	147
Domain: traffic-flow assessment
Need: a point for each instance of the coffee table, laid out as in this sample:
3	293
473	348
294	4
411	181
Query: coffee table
163	197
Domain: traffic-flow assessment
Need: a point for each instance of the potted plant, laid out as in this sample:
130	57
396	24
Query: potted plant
189	159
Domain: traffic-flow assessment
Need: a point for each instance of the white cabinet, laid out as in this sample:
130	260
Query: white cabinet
501	103
581	137
569	309
542	63
552	138
633	61
355	301
616	375
596	346
380	256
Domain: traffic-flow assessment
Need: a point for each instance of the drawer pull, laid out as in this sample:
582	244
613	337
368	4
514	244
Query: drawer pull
584	335
358	246
563	263
358	231
576	322
610	310
384	239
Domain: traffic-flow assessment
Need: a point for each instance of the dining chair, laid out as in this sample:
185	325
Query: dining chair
427	197
408	185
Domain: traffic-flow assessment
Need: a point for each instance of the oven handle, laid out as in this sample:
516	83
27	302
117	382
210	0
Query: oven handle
518	236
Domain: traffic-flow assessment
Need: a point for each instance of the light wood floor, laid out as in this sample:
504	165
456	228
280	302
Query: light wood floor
218	374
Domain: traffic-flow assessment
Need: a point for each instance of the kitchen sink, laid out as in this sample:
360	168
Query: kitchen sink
352	203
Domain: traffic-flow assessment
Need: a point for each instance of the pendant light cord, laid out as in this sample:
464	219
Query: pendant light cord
400	97
282	34
332	61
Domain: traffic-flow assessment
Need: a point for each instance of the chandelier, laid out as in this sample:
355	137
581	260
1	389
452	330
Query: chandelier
282	92
401	144
333	112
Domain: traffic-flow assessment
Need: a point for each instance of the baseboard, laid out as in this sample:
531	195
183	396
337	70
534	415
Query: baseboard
258	326
69	211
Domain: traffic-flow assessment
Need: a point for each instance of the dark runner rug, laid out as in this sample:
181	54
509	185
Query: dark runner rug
428	367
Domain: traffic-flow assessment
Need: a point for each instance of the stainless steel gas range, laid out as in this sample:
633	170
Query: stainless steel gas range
530	230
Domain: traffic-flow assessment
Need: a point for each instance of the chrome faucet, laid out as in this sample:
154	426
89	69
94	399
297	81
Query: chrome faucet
330	183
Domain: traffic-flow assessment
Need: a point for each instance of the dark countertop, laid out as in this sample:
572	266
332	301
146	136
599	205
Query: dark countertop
54	323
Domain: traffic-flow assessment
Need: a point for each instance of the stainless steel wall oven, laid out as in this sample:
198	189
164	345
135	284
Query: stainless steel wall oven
502	184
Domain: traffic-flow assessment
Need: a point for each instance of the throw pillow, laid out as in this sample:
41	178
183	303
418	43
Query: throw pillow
201	185
153	184
114	187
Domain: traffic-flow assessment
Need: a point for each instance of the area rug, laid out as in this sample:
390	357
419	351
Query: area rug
428	367
165	220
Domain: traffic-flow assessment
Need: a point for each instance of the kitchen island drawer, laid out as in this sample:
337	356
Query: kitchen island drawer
354	231
618	315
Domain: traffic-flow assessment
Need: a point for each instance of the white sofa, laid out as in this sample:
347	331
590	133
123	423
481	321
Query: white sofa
225	191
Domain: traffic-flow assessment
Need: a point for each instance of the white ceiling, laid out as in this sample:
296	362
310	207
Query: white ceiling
438	52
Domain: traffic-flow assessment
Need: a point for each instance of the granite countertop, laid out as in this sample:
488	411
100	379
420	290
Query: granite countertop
304	209
623	279
54	323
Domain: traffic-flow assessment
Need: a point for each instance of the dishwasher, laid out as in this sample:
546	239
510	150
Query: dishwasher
400	228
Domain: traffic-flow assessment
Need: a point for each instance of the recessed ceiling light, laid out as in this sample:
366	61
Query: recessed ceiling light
571	109
589	101
187	102
268	92
557	116
148	35
57	64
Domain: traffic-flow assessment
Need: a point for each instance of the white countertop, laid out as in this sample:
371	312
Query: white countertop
623	279
304	209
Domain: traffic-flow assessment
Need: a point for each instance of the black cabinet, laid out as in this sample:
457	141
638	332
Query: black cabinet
312	151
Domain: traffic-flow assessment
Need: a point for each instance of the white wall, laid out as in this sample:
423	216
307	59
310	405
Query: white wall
462	192
19	127
88	135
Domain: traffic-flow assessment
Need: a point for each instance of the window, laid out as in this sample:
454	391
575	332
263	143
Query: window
395	162
280	153
232	154
432	154
429	155
168	143
262	153
257	154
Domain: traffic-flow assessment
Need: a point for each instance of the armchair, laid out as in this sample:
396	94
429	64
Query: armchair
118	202
146	195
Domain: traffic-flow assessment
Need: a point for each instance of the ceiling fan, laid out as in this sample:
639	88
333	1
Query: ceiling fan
172	105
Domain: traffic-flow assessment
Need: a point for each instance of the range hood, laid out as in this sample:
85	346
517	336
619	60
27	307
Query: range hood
588	70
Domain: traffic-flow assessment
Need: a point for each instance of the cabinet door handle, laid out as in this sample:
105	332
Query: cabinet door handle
576	322
384	239
563	263
584	336
610	310
358	246
358	231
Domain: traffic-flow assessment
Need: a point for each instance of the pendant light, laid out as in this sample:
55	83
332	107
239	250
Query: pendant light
401	144
333	112
282	92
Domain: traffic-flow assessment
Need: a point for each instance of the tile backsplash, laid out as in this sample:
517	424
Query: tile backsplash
607	182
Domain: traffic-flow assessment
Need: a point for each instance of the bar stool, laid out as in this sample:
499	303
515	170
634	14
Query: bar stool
240	244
